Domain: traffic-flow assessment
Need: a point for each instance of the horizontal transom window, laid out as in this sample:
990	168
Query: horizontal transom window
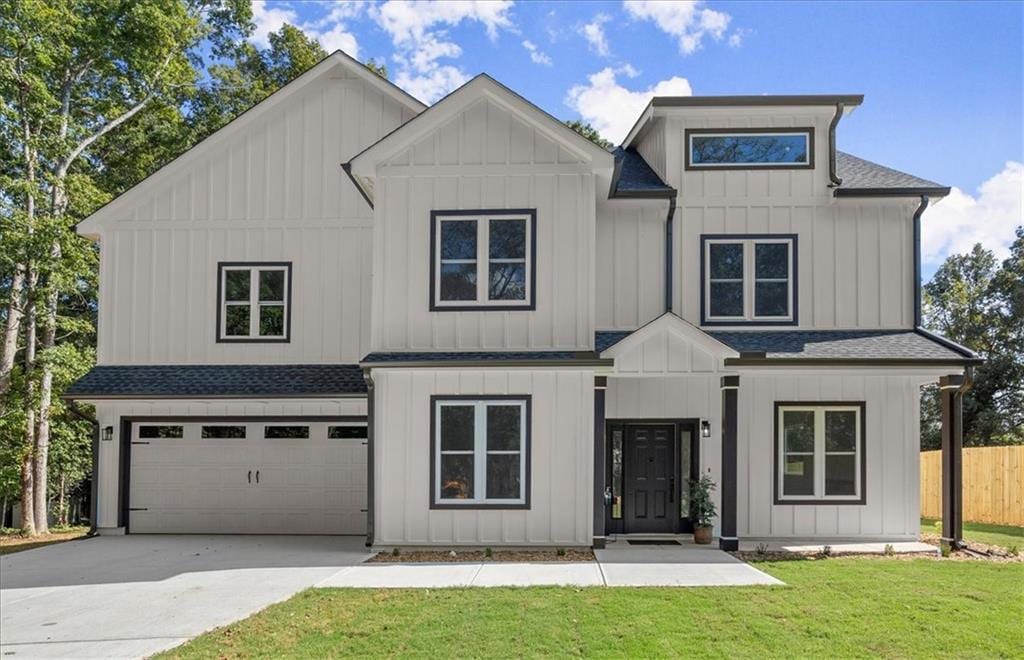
749	279
820	452
153	431
749	148
254	301
480	452
482	260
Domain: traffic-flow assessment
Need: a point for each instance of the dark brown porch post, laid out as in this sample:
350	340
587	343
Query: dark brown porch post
951	391
600	386
730	391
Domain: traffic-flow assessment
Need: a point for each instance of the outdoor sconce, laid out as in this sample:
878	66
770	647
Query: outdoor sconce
108	433
705	428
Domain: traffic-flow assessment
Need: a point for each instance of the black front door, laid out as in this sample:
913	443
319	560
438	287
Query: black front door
650	468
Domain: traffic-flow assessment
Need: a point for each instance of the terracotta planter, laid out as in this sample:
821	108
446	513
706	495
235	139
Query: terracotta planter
702	535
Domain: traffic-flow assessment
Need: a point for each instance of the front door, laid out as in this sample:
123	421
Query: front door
650	468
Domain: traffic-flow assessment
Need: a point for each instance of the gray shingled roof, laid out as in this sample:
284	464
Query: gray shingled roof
857	173
825	344
636	177
478	356
219	381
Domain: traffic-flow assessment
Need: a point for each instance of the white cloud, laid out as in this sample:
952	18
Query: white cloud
959	221
338	38
593	32
419	32
269	19
686	20
611	108
737	37
536	55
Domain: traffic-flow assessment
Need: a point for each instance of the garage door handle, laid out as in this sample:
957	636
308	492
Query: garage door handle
257	476
250	476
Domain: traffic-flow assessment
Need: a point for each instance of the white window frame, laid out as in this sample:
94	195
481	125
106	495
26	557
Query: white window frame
739	165
480	452
750	279
483	261
254	303
820	453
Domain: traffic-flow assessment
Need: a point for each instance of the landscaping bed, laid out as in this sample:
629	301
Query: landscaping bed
12	540
474	556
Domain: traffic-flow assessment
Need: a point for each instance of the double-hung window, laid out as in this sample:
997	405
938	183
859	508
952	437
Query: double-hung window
480	452
820	453
749	279
749	149
254	301
483	260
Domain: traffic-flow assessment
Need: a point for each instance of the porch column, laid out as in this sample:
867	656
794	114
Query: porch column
951	392
730	391
600	385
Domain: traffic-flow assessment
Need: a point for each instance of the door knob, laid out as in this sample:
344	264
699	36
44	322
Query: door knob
257	476
250	476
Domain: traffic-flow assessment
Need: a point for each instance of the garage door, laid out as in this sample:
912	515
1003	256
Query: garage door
230	477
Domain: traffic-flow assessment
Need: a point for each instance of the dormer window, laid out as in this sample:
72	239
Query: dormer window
482	260
748	149
748	279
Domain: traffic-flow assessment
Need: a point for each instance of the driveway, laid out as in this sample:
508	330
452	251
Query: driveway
134	596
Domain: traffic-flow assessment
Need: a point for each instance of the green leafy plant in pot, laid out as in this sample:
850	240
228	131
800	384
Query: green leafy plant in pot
702	509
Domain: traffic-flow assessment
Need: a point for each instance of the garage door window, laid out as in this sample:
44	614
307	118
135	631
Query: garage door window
298	432
221	432
148	432
480	449
346	432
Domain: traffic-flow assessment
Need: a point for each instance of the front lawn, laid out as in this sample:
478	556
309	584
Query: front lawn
12	540
1001	535
847	607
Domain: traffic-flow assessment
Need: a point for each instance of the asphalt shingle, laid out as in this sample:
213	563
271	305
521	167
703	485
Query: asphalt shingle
636	177
857	173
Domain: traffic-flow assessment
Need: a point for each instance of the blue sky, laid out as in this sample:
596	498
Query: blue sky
942	80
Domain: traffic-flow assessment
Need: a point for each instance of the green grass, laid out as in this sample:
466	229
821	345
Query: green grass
830	608
1001	535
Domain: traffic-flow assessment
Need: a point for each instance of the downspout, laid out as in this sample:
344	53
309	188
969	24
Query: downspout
668	252
94	477
832	174
369	458
918	321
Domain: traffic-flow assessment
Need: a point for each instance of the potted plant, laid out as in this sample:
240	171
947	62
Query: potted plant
702	509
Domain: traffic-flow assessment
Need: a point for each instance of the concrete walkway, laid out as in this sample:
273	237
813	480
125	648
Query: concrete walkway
620	565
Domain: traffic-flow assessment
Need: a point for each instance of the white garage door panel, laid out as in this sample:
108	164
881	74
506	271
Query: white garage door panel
251	485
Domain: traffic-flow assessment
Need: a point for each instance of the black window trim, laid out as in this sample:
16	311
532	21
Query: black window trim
437	215
777	496
794	278
527	449
221	339
725	130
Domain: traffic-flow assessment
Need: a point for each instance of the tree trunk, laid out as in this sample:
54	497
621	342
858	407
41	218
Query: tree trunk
62	507
12	327
42	440
28	519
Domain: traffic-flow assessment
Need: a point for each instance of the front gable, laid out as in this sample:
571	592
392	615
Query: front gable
668	345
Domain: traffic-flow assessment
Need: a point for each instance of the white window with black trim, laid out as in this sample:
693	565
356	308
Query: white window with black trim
749	280
820	453
483	260
480	452
254	302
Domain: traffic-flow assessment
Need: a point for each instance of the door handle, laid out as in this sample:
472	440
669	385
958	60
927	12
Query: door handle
250	476
257	476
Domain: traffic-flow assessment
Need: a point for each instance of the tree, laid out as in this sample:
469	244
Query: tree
74	73
979	303
589	132
380	69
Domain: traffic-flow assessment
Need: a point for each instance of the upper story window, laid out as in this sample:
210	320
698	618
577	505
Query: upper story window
254	302
819	453
483	260
748	279
756	148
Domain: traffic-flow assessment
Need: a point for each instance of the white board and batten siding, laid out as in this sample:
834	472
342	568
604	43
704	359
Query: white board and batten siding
110	413
630	269
268	187
484	158
560	458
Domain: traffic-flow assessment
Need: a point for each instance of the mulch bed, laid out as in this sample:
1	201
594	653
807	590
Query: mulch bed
991	553
459	556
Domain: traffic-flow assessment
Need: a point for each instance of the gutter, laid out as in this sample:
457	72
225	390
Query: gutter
950	344
501	364
917	260
750	361
94	473
892	192
832	174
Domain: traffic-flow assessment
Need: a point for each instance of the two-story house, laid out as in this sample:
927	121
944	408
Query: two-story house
348	313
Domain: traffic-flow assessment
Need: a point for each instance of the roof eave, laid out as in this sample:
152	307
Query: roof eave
574	362
892	192
752	100
861	362
199	395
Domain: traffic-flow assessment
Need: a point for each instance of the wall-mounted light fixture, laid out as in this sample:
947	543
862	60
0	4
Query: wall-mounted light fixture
705	428
108	433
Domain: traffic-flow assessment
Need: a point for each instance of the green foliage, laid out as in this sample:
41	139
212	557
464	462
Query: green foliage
702	507
380	69
488	553
979	303
589	132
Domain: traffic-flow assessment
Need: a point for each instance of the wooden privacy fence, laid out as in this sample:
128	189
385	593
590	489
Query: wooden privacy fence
993	484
